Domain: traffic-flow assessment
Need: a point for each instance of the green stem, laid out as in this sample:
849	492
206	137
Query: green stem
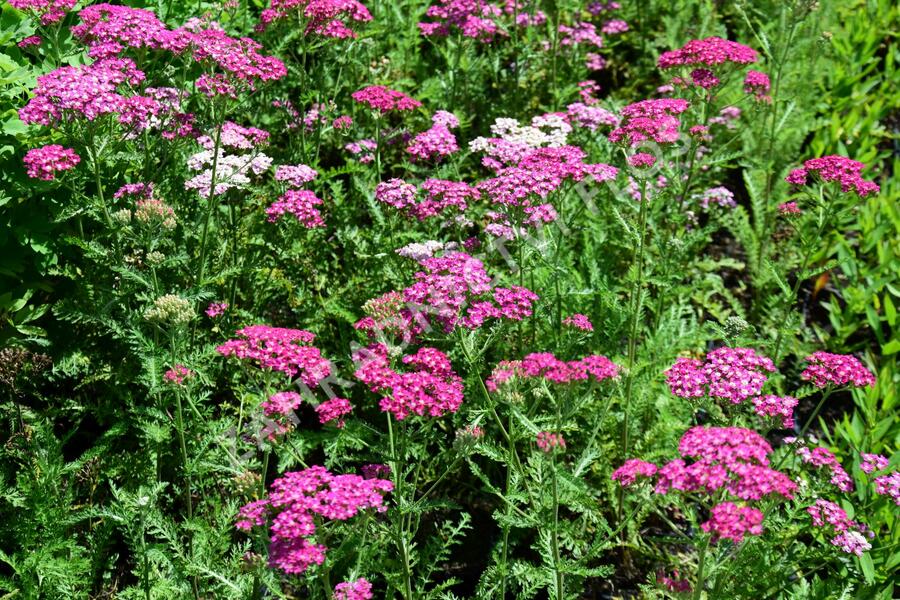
698	585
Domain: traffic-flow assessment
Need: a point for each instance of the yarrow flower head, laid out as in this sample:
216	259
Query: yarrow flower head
383	99
432	388
48	11
889	485
327	18
295	502
544	365
788	209
849	536
281	403
45	162
776	406
360	589
654	120
579	321
845	171
295	175
709	52
730	521
177	374
734	374
216	309
334	409
641	160
757	84
633	468
718	195
279	349
299	203
823	457
873	462
548	441
826	369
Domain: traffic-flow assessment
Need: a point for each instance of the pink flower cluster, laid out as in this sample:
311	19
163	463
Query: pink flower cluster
826	369
548	441
873	462
295	175
580	33
579	321
31	40
431	388
650	120
297	499
710	52
437	142
776	406
48	11
845	171
177	374
440	194
614	27
734	374
108	29
633	468
757	84
455	290
334	409
477	19
279	349
360	589
216	309
382	99
300	203
889	485
327	18
823	457
732	522
788	208
851	535
281	403
45	162
544	365
732	458
590	117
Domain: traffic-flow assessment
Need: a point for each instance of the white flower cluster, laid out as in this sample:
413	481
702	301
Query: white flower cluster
232	170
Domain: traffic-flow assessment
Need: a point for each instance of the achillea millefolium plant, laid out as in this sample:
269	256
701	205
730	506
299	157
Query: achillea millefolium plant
443	299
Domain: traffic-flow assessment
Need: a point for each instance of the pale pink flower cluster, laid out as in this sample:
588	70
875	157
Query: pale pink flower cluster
45	162
279	349
281	404
544	365
216	309
580	33
295	175
889	485
334	409
177	374
734	374
548	441
845	171
432	388
873	462
823	457
439	195
478	19
826	369
850	535
590	117
295	502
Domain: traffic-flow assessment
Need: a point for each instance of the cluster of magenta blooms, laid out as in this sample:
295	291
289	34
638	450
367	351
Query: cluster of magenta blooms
731	465
452	291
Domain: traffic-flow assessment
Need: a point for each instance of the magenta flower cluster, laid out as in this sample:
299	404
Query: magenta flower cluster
732	522
823	457
844	171
709	52
299	203
850	535
295	502
432	388
733	374
360	589
177	374
436	142
47	11
334	409
383	99
776	406
327	18
578	321
45	162
826	369
281	404
439	195
654	120
279	349
544	365
548	441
